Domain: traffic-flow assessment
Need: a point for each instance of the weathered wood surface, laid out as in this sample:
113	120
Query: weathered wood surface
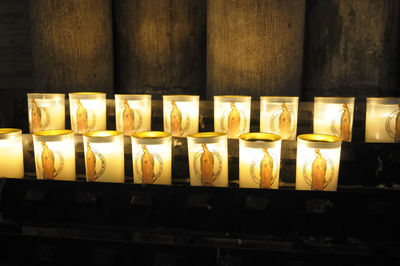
352	48
15	61
255	47
72	45
160	46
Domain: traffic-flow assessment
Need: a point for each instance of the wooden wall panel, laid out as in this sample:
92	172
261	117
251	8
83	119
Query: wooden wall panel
255	47
72	45
160	46
352	48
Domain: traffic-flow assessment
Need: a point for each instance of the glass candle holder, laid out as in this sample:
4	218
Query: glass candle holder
132	113
54	154
259	160
11	153
181	114
382	123
151	157
278	115
46	111
334	116
87	111
317	164
208	159
104	156
232	115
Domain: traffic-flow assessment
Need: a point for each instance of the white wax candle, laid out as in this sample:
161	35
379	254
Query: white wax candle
55	155
334	116
278	115
232	115
104	156
11	153
151	158
317	163
382	123
46	111
181	114
259	160
132	113
87	112
208	159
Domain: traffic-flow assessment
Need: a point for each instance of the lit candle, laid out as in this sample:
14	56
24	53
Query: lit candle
278	115
317	164
54	154
151	157
382	123
181	114
104	156
87	111
259	160
208	159
46	111
232	115
334	116
11	153
132	113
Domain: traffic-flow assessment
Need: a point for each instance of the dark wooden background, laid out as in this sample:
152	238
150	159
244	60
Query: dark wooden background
304	48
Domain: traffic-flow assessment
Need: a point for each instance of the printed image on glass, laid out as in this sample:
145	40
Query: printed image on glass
208	159
46	111
382	123
132	113
181	114
232	115
334	116
278	115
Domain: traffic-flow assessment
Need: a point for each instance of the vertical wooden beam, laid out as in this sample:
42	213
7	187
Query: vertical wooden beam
72	45
255	47
160	46
352	48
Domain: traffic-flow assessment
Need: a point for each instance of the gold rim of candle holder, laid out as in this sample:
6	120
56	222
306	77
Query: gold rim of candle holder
180	95
86	93
207	135
6	133
260	136
151	135
103	134
52	95
334	100
319	141
232	98
319	138
383	100
131	97
49	133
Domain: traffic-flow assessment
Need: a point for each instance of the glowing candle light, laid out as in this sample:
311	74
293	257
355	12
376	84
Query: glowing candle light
181	114
232	115
259	160
278	115
87	111
382	123
208	159
132	113
55	154
104	156
334	116
317	165
151	157
11	153
46	111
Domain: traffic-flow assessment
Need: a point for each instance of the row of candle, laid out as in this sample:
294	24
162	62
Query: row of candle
318	158
278	115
